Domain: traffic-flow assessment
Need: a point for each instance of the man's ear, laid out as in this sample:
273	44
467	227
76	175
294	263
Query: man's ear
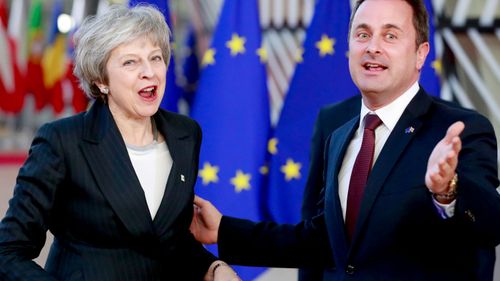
422	52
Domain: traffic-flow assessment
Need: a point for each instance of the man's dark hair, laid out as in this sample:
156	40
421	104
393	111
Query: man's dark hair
420	19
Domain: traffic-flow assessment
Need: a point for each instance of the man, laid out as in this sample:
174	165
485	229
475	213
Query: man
430	201
329	119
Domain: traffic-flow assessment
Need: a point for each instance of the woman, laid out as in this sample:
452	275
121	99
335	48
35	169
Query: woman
115	184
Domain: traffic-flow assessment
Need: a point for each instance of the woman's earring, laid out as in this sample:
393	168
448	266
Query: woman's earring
105	91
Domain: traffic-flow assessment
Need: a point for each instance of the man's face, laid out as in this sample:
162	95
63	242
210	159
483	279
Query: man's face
384	60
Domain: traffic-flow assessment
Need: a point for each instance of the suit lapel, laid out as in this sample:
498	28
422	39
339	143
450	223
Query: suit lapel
394	147
339	141
179	185
107	157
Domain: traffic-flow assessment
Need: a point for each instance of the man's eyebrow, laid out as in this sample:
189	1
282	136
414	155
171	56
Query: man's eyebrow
362	26
392	26
385	26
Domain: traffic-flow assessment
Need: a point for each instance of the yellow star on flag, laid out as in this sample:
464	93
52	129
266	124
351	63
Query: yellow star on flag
272	146
241	181
438	66
262	53
264	170
209	173
291	170
236	44
208	57
299	55
325	45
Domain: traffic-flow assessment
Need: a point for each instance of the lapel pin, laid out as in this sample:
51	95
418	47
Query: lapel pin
183	179
409	130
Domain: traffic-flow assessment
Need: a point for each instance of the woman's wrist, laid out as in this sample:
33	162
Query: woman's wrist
216	265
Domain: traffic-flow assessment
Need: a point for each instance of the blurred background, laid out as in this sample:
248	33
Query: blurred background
37	85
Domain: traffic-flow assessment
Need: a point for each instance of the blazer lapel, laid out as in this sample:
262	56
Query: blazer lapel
107	157
394	147
334	219
179	186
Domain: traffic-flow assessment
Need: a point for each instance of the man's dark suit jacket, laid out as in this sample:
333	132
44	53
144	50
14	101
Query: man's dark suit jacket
79	183
399	235
329	119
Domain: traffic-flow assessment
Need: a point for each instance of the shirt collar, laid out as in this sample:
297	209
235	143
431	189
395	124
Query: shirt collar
391	113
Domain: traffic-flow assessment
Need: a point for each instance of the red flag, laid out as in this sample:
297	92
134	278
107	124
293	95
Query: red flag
35	84
4	19
79	99
12	87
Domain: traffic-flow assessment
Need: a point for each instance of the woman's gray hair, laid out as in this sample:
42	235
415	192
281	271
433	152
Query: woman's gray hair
99	35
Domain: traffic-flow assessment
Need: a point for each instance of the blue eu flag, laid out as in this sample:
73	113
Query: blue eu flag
429	77
321	77
172	92
190	68
232	107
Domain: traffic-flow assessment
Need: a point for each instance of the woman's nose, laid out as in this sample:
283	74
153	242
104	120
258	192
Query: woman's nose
147	70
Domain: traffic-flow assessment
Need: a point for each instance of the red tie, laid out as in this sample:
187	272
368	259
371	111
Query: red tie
360	172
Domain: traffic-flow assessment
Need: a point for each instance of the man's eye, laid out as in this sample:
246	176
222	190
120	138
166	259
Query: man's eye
363	35
390	36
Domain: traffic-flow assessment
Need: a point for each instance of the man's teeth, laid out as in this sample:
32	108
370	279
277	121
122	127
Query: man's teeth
372	65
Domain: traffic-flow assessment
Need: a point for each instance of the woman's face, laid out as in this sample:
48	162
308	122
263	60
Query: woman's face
136	79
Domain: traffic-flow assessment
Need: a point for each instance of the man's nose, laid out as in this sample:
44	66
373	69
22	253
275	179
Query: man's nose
373	46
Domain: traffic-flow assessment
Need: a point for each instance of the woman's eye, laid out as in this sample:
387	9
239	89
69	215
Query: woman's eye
157	58
128	62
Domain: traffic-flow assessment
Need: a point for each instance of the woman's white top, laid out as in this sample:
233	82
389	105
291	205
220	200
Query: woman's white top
152	164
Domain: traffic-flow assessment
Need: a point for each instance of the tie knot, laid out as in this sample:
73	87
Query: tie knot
372	121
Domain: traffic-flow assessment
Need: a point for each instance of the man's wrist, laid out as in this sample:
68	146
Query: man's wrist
450	195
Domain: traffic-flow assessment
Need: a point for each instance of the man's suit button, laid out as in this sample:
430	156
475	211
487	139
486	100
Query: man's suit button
470	216
350	269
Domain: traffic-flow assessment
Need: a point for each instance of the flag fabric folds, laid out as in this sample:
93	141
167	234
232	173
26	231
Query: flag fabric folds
79	99
232	107
6	72
65	95
172	92
321	77
12	90
429	78
54	61
35	84
190	68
